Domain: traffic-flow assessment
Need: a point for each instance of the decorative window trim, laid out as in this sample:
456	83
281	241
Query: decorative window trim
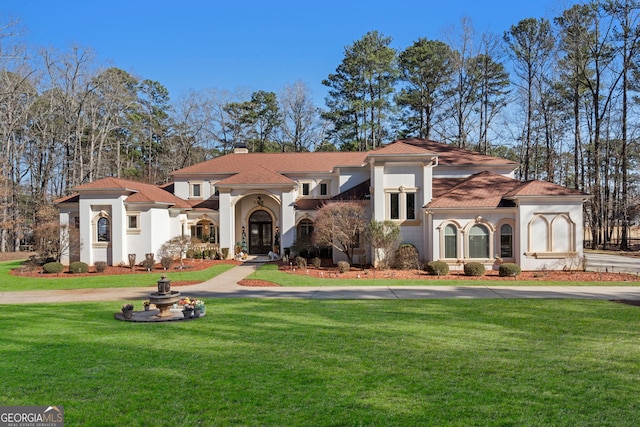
327	187
402	193
137	229
550	219
492	231
458	228
498	239
299	227
94	230
192	186
305	189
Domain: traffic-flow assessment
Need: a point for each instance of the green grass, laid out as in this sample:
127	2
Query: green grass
271	273
9	282
330	363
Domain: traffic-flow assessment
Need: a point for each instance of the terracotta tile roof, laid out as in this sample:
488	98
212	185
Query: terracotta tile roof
401	147
484	189
440	186
282	163
257	174
140	192
487	189
309	204
73	198
544	188
451	155
209	204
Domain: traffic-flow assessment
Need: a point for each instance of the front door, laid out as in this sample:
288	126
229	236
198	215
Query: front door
260	233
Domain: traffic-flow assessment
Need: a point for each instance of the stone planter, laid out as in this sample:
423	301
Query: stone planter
187	312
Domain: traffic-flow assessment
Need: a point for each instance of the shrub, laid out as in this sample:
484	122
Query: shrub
53	267
78	267
343	266
406	257
225	253
316	262
166	262
191	252
437	268
148	262
101	266
301	262
474	269
509	269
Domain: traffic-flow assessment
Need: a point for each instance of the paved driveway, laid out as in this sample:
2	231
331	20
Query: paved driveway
612	263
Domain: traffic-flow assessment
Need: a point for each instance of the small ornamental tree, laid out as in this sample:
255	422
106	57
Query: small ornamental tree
339	225
384	237
176	247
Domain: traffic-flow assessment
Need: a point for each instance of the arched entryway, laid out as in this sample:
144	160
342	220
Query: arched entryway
260	233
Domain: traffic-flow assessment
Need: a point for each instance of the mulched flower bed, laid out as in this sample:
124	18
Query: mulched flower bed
330	273
158	270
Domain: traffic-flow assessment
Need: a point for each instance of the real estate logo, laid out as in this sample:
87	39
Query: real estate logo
31	416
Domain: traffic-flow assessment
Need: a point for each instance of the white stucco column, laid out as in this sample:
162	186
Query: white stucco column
86	231
64	236
427	183
119	241
227	222
287	220
378	196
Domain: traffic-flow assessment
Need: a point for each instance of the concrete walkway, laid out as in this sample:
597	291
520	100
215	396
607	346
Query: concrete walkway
225	286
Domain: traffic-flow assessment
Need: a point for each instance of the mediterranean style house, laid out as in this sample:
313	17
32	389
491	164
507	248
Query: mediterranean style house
454	205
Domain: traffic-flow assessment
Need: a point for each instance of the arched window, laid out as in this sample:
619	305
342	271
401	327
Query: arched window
506	241
305	230
450	241
479	242
103	230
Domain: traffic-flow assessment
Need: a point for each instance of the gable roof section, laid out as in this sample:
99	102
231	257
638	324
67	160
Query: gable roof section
482	190
449	155
282	163
139	192
490	190
258	174
543	188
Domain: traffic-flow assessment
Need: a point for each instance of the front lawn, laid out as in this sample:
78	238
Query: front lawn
328	363
9	282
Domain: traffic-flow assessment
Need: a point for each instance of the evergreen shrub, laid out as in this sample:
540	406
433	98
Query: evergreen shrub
78	267
474	269
509	269
437	268
53	267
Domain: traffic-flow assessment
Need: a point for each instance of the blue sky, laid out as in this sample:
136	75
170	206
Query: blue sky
253	45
